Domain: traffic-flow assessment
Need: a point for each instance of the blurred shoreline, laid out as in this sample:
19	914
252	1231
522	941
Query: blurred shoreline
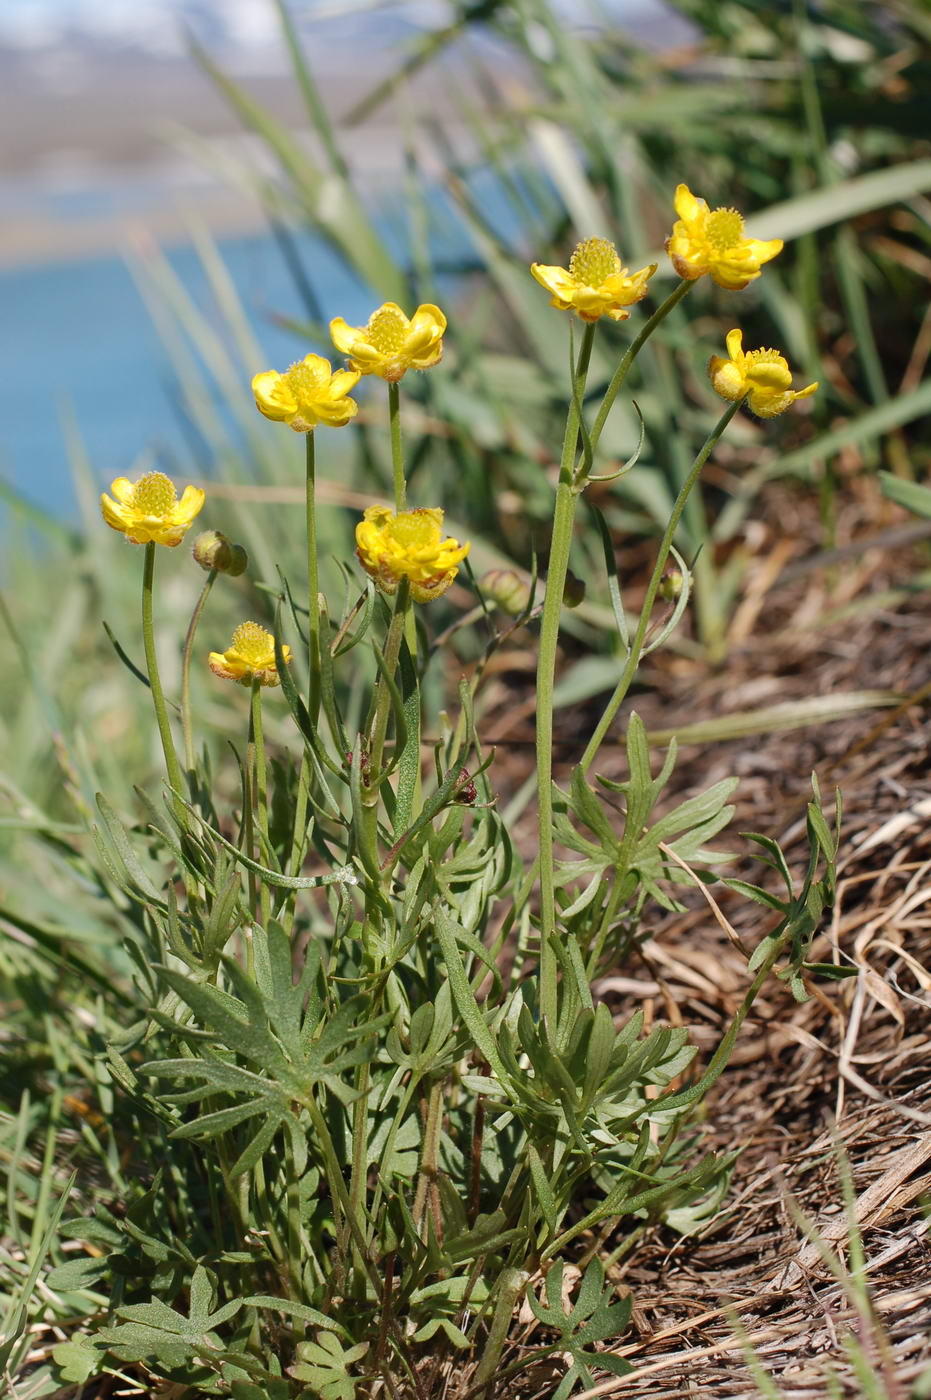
82	175
111	139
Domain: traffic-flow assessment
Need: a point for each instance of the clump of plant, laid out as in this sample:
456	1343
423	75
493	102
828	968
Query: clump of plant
391	1112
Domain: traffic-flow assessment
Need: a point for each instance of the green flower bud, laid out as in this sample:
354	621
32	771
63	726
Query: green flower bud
213	550
506	590
574	590
671	586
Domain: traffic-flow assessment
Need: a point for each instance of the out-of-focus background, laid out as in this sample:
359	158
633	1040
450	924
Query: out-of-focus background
114	140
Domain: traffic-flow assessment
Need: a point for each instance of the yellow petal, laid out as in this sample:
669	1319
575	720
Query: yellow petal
687	205
809	389
168	534
762	250
428	358
365	358
190	504
556	280
319	367
338	413
770	375
428	316
117	516
123	489
768	403
726	379
343	382
273	396
343	335
735	343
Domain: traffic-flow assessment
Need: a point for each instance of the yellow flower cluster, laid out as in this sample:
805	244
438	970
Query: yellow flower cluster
408	545
762	377
703	240
249	657
148	511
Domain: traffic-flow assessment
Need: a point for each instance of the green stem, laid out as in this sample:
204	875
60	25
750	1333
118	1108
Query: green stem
186	722
379	727
298	838
620	374
313	585
564	514
400	494
248	830
155	684
313	666
397	451
636	646
261	794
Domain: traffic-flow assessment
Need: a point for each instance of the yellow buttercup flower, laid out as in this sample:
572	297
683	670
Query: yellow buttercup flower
762	376
307	394
148	511
595	283
712	240
390	344
249	657
408	545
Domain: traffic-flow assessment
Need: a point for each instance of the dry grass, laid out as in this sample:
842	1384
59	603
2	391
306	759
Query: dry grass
850	1066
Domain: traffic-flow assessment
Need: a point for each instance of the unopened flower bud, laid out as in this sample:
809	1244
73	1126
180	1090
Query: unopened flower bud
573	590
213	550
468	792
506	590
671	586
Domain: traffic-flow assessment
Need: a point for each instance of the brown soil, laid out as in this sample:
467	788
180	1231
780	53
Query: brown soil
846	1070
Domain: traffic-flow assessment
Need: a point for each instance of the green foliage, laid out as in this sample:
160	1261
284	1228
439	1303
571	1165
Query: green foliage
327	1131
592	1318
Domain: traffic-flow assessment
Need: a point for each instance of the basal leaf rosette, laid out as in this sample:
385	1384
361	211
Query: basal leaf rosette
391	343
762	377
408	545
308	393
713	241
148	511
249	657
595	284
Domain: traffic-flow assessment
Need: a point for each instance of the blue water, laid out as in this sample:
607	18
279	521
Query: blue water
78	345
77	341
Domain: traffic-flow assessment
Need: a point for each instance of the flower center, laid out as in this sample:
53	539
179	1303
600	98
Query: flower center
387	330
414	529
766	357
304	381
724	229
594	261
154	494
253	644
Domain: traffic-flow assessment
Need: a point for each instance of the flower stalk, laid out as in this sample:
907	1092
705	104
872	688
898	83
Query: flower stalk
563	518
397	450
187	726
155	684
656	578
257	745
313	581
